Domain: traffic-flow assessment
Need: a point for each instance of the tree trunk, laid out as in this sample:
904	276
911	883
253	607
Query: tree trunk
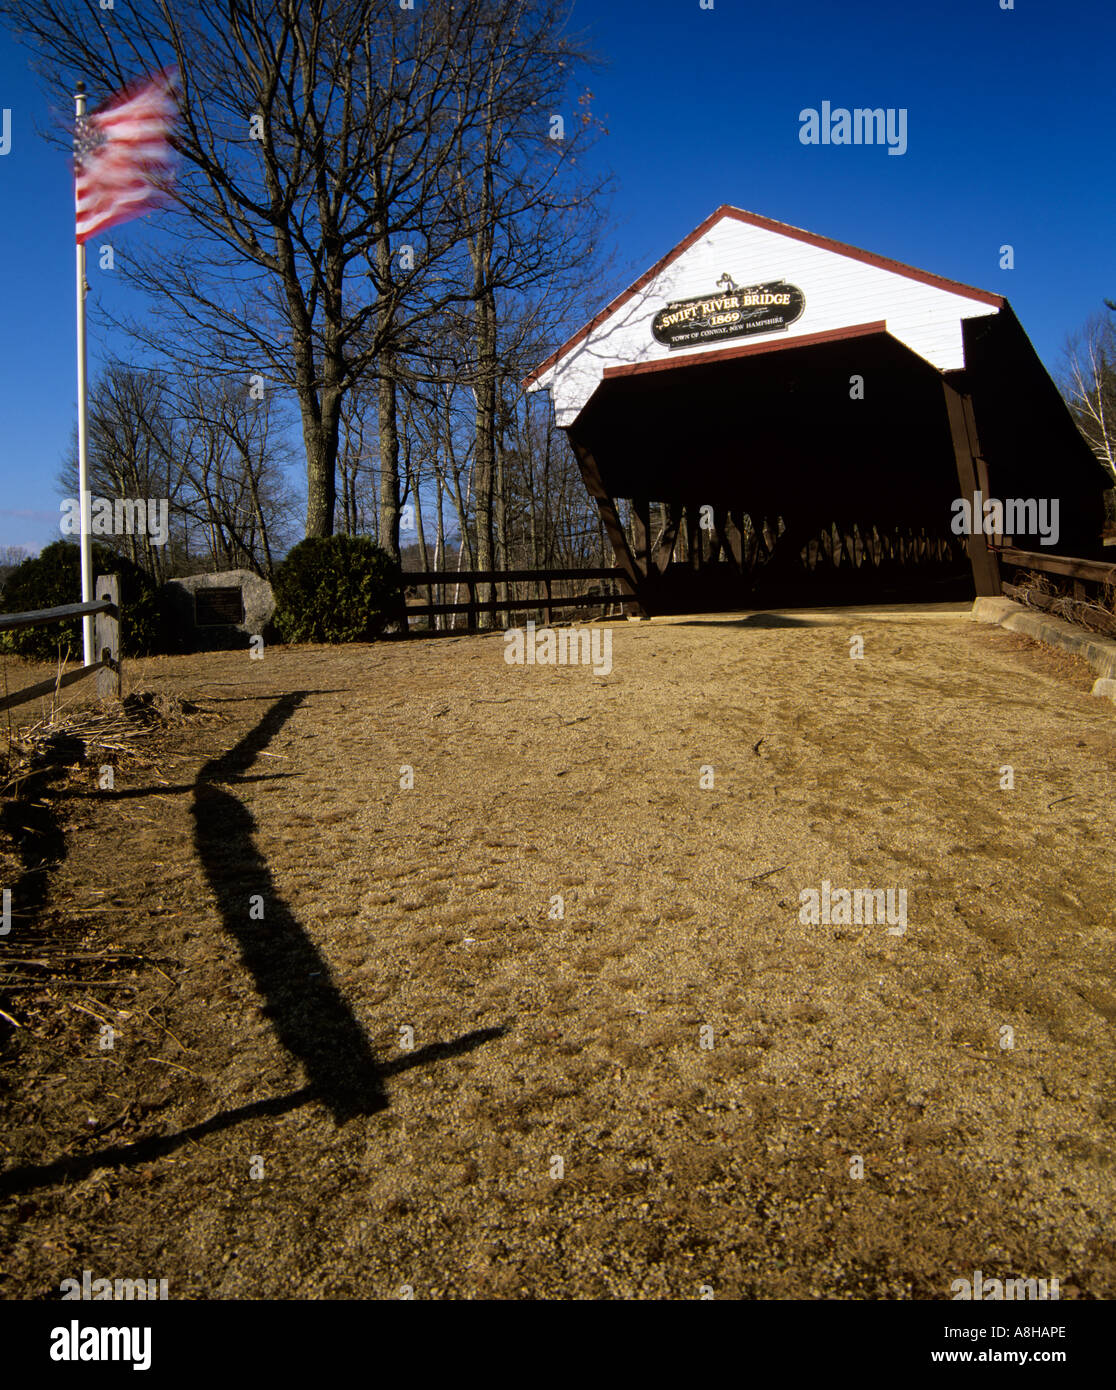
389	466
439	544
321	465
388	421
424	559
257	512
500	518
485	471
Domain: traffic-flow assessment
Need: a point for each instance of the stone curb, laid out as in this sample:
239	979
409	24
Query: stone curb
1099	652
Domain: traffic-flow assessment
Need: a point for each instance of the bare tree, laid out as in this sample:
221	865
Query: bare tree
11	557
356	466
314	138
231	460
212	454
1089	384
527	211
132	447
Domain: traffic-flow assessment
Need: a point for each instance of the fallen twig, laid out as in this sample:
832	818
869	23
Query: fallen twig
178	1066
51	982
168	1032
82	1009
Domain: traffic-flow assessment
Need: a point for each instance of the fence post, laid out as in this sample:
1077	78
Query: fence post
106	637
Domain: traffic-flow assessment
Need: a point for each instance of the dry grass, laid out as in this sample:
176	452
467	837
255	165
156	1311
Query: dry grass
1036	590
432	909
111	730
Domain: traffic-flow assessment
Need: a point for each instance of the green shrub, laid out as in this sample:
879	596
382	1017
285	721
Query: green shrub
53	578
336	589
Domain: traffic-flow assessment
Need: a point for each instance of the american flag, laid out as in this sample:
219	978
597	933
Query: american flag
122	155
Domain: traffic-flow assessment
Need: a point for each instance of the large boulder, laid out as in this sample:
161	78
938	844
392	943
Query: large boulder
211	611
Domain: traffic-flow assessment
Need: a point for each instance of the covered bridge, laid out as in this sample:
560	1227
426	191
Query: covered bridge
792	419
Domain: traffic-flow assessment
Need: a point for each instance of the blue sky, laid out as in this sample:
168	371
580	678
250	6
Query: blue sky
1009	141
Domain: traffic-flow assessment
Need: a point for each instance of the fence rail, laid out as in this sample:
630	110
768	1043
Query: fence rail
1093	612
546	601
40	617
422	579
105	608
1068	566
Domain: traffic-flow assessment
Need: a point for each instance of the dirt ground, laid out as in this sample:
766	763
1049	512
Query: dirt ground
665	1088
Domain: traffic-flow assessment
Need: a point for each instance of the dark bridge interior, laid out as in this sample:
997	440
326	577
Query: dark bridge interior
770	477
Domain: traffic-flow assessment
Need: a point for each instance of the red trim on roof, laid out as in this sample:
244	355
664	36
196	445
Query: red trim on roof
627	294
662	364
784	229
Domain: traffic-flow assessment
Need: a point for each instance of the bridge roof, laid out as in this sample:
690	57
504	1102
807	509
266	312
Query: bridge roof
837	288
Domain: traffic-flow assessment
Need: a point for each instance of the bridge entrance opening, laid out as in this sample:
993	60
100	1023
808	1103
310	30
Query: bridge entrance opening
804	429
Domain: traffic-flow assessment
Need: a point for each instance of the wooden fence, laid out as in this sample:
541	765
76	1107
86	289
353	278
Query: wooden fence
612	587
1093	571
545	600
1093	585
106	609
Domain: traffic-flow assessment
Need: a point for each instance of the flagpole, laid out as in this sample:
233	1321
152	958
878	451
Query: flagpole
83	441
